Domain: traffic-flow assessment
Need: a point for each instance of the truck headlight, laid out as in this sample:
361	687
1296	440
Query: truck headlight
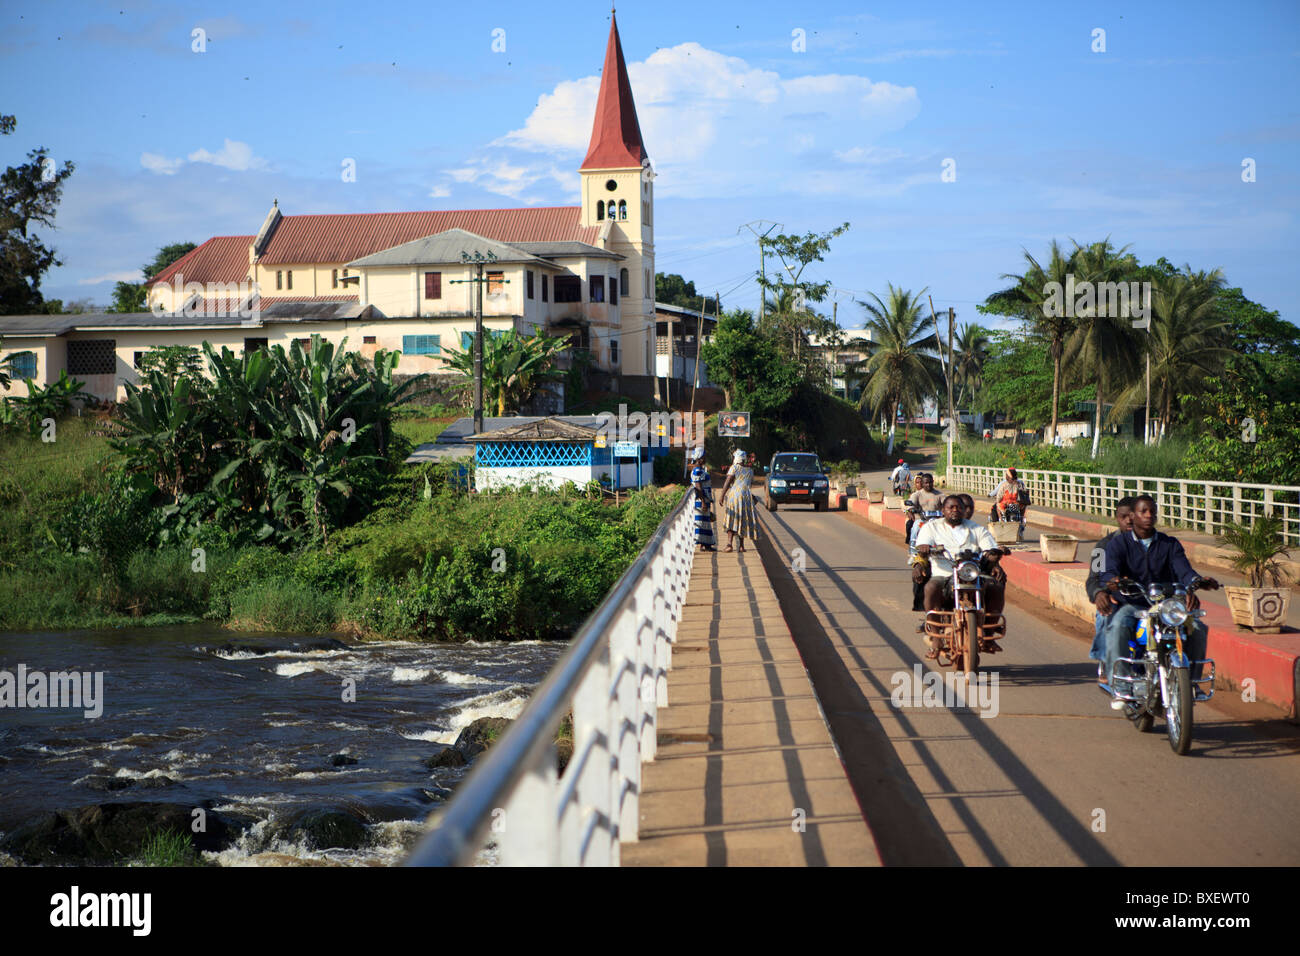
821	483
776	483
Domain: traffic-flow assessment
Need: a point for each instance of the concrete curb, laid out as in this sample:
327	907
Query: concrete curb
1271	661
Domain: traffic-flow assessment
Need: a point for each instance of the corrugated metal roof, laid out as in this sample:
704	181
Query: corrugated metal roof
343	237
220	259
558	250
616	134
445	247
555	428
462	428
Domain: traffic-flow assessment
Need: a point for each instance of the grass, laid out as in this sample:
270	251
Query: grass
1115	457
419	430
167	848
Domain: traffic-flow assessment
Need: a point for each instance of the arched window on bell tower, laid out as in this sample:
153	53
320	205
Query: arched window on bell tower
622	209
600	210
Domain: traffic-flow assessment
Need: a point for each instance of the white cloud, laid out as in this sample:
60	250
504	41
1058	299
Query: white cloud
160	164
712	122
232	155
440	192
128	275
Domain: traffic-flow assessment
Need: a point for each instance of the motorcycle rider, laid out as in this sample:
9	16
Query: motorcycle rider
902	475
1147	556
1009	492
955	534
1098	595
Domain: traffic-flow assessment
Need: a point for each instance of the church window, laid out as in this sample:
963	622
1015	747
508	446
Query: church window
611	184
279	279
622	209
433	285
334	278
600	209
625	281
289	280
597	284
613	291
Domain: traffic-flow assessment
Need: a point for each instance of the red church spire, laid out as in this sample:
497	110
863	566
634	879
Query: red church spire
616	134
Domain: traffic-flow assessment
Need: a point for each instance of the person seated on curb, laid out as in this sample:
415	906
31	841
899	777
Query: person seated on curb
1147	556
924	498
1097	595
955	534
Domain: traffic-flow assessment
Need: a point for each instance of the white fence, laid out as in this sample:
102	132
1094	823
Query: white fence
1204	505
614	678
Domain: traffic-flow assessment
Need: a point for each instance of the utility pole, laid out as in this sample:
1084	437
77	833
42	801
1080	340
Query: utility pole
952	409
478	260
695	382
762	261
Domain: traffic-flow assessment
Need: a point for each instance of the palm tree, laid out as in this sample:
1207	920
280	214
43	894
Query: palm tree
1029	299
1186	341
1103	343
970	352
902	369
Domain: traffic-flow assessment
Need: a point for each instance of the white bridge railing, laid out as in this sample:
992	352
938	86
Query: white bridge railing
614	678
1206	505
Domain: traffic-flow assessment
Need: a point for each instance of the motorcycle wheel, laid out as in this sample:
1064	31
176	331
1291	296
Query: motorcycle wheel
972	661
1178	716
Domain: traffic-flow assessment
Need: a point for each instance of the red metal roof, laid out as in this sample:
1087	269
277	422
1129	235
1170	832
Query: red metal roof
343	237
616	134
220	259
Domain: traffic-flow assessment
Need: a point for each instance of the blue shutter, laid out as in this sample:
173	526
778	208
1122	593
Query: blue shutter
466	341
408	344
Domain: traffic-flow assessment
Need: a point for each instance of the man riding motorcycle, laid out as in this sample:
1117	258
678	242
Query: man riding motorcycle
954	534
901	477
925	498
1146	556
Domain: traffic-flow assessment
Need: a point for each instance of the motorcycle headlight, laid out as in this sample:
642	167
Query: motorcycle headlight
1173	612
968	572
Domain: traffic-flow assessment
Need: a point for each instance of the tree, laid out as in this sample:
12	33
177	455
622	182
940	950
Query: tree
674	290
1102	343
514	366
1028	300
1018	380
129	297
970	355
1185	342
29	193
790	290
751	370
165	257
902	369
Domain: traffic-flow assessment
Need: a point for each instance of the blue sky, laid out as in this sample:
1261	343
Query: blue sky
1143	142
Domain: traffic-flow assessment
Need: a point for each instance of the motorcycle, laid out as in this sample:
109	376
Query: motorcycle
903	486
1160	682
960	635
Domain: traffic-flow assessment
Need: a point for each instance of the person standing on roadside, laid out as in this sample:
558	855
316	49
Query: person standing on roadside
739	517
703	486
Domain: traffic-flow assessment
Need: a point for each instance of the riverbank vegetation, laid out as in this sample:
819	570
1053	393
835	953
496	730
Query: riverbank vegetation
271	494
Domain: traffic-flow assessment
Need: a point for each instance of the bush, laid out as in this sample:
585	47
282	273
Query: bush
283	605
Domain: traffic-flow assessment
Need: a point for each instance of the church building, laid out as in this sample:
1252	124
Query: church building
398	280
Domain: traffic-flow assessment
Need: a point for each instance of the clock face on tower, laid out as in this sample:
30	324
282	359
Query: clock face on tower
611	185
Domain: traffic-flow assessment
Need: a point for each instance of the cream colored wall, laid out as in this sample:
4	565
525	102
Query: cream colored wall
633	239
46	356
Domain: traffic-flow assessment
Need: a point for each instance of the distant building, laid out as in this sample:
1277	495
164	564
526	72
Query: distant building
841	350
396	280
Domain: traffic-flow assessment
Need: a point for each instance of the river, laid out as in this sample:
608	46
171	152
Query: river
254	724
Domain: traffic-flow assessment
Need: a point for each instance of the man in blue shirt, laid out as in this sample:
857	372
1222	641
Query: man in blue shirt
1097	594
1148	556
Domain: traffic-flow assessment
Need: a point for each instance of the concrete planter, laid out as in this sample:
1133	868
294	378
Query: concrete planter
1005	532
1261	609
851	490
893	501
1058	548
875	497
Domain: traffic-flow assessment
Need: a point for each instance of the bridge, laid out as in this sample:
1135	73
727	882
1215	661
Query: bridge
752	709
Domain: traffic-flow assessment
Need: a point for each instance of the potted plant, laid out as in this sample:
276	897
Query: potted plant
1058	548
875	497
1255	551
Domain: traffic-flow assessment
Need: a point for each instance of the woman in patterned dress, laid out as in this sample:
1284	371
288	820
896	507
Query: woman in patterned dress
703	486
738	514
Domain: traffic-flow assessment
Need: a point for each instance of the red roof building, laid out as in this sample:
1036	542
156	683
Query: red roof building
616	133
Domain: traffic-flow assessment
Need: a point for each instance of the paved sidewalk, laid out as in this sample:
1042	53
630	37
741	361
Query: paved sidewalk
746	773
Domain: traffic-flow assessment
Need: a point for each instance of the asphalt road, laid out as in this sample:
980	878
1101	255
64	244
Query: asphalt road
1055	777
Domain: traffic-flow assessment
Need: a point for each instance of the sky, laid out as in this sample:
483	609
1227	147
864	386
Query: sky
952	137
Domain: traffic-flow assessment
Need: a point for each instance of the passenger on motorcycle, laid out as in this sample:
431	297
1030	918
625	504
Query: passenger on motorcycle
1011	491
954	534
925	498
1098	595
1147	556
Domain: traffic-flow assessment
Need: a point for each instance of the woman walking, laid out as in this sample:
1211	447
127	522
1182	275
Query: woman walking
703	486
738	514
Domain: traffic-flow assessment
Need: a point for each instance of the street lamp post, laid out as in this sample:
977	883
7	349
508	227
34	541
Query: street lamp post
478	260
